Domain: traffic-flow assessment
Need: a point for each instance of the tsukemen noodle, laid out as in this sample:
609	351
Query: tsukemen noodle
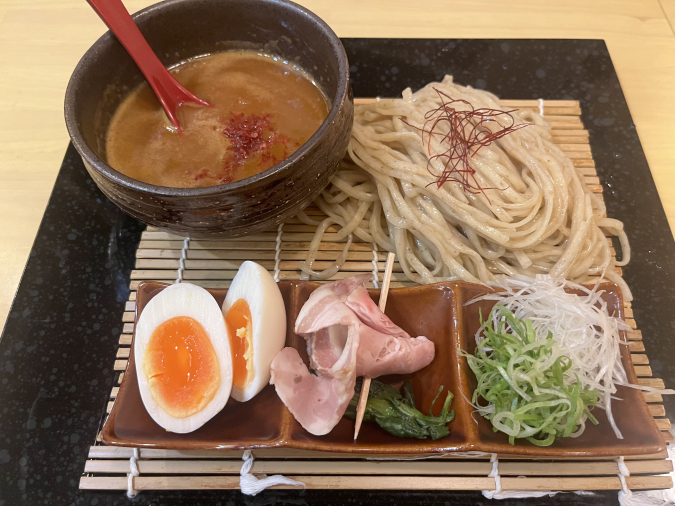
462	188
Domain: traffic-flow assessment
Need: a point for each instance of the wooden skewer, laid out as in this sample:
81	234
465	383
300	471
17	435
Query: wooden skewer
365	388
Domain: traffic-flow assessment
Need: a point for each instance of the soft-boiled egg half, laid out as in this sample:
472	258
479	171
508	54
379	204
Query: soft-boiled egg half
182	356
255	319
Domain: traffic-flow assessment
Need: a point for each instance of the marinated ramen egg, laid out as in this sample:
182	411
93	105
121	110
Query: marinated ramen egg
255	318
182	357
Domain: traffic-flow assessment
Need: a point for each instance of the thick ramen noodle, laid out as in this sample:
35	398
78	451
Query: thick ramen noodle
524	210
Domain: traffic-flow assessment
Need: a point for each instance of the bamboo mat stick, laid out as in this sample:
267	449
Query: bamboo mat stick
365	387
383	483
334	467
551	107
566	104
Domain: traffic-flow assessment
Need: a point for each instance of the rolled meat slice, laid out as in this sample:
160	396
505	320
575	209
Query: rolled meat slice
347	335
318	402
369	313
380	354
384	347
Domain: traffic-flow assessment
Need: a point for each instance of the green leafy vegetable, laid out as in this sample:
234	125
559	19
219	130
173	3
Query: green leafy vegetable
524	383
396	413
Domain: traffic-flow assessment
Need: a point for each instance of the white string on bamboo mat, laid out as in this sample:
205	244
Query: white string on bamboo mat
251	485
498	493
646	497
277	252
494	473
624	494
183	256
541	107
375	268
133	472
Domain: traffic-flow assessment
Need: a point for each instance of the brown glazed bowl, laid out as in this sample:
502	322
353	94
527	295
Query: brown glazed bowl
181	29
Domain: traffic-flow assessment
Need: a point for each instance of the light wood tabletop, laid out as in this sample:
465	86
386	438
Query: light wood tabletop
41	41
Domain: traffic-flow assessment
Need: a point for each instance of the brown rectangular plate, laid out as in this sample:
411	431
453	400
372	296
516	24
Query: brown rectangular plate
436	311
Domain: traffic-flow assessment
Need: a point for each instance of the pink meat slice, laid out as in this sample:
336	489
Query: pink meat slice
384	347
378	354
381	354
318	402
347	335
369	313
355	295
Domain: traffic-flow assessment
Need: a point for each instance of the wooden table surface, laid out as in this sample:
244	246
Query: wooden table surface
41	41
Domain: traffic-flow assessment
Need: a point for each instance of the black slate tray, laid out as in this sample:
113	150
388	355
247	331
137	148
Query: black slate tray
59	343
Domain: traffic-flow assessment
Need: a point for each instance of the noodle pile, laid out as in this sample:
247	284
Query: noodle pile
533	214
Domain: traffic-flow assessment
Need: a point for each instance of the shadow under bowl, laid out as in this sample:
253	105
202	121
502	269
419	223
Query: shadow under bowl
181	29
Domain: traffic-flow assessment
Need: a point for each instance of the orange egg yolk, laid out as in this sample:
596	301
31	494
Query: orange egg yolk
238	322
181	366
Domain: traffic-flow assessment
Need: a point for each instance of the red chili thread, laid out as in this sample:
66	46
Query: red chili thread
467	134
250	135
247	135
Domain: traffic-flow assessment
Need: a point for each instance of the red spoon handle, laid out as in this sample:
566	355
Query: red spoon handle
169	91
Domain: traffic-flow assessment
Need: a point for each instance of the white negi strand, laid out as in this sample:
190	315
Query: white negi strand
582	329
183	256
541	107
277	253
133	472
375	267
251	485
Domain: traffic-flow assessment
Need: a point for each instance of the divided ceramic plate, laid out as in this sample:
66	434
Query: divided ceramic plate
436	311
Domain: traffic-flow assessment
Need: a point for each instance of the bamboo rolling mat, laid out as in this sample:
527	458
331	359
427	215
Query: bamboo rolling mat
213	264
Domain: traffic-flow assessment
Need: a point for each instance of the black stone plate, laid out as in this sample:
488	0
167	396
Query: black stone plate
59	343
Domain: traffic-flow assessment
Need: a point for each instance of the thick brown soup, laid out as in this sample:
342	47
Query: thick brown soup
263	110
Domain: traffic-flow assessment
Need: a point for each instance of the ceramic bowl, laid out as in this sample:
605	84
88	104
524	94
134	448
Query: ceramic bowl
443	314
181	29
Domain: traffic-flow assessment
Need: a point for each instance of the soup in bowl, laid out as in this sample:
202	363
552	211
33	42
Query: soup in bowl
278	80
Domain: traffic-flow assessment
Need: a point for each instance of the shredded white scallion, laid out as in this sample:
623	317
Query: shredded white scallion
581	326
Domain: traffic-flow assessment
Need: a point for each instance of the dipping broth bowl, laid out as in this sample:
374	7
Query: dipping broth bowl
181	29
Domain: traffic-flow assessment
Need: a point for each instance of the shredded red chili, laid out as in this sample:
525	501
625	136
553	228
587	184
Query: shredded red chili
252	135
248	135
467	132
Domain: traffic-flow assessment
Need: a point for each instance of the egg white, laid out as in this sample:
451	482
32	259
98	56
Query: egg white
193	301
268	322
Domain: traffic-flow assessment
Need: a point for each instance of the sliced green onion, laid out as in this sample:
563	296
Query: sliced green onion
522	386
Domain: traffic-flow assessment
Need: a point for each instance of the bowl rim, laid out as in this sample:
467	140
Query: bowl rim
92	159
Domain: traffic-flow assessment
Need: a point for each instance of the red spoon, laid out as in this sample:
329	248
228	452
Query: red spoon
169	91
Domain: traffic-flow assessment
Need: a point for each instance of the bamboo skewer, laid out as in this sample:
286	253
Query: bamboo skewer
365	388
